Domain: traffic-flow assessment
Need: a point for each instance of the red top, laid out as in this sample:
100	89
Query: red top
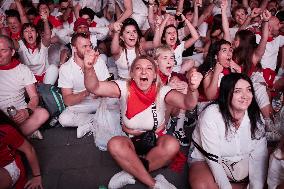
10	140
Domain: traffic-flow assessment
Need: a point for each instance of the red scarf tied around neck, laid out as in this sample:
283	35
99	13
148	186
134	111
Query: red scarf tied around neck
138	101
14	63
164	78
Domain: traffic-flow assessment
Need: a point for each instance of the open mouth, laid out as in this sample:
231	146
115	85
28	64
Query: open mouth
169	68
144	79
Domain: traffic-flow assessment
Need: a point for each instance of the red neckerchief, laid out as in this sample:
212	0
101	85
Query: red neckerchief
269	76
33	48
164	78
93	24
269	39
55	22
39	78
226	71
14	63
16	36
138	101
70	18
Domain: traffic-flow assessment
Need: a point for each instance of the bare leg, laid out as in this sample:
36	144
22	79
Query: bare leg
39	116
200	176
166	149
5	179
128	160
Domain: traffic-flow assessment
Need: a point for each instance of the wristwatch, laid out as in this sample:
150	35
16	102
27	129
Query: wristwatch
30	111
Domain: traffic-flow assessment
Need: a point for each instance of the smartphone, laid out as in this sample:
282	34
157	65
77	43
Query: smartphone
171	10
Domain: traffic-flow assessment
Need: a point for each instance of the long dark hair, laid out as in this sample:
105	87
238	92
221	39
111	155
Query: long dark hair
244	52
164	33
227	86
210	60
131	22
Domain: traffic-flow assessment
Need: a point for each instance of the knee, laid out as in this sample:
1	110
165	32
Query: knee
41	115
116	144
200	184
65	118
170	145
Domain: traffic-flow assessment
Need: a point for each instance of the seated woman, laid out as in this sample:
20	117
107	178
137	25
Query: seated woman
275	178
143	103
33	51
230	128
12	173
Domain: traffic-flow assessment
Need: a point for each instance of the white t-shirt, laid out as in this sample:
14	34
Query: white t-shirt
37	61
71	76
178	57
95	5
12	84
5	5
139	7
210	135
123	66
269	58
143	120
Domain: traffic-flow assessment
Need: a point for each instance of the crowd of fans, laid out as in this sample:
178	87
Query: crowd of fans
215	65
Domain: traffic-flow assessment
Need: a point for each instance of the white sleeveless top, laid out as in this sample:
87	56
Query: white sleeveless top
144	120
123	66
37	61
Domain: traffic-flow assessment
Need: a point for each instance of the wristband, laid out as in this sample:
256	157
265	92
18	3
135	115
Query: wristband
30	111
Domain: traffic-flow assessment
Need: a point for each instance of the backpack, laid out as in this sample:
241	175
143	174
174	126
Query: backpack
51	99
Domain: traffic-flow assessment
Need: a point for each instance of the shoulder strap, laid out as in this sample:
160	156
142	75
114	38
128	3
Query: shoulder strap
154	112
206	154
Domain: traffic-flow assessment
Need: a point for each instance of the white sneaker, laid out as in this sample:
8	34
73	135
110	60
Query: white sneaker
120	179
82	130
36	135
162	183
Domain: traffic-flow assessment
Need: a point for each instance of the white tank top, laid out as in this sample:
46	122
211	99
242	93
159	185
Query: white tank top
124	62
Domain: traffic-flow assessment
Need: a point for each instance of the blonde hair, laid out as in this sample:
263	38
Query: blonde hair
158	51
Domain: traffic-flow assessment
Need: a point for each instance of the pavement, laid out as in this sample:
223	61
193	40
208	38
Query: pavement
70	163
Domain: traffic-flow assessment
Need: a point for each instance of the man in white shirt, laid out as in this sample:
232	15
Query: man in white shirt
15	80
81	104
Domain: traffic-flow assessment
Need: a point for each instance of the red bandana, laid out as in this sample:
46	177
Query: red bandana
226	71
269	76
16	36
14	62
93	24
164	78
139	101
33	48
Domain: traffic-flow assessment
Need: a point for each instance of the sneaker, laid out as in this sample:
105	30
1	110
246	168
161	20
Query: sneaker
162	183
82	130
120	179
181	137
36	135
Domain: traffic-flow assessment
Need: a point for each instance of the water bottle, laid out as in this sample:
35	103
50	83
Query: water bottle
12	111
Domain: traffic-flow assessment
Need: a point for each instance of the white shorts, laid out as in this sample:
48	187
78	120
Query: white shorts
13	171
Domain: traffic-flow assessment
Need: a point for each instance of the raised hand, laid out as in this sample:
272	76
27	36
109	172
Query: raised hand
224	4
266	15
90	58
117	27
255	12
194	79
